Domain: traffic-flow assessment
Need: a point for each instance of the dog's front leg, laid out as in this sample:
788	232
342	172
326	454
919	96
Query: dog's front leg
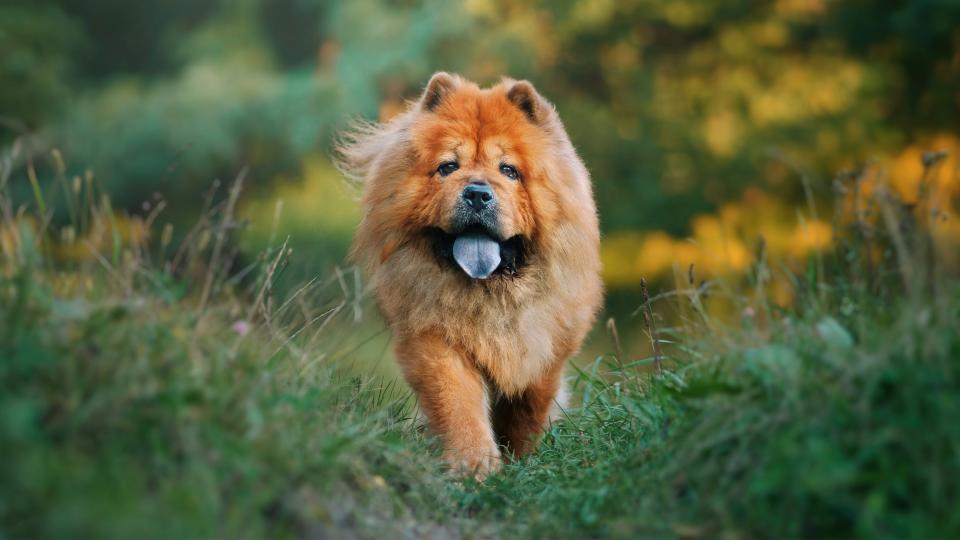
453	396
520	420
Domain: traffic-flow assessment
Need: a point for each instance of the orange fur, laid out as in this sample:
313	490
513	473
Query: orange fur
485	357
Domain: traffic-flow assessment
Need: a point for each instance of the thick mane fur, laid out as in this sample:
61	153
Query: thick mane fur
359	147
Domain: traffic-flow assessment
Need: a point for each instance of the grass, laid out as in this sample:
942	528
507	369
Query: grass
148	392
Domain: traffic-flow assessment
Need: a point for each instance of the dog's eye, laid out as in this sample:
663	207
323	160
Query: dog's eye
509	171
448	168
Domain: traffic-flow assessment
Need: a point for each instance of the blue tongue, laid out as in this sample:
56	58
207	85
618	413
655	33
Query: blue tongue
477	254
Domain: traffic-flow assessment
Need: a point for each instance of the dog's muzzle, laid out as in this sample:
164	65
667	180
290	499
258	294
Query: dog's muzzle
475	230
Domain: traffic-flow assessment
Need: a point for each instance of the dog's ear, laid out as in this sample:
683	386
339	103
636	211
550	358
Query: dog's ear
440	86
523	95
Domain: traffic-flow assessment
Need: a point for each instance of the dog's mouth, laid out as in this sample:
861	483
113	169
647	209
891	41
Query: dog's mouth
477	252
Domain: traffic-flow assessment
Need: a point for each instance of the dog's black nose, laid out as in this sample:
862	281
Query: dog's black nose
478	195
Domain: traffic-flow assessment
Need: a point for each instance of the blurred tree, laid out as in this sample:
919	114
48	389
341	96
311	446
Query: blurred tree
36	42
919	41
293	29
675	106
133	38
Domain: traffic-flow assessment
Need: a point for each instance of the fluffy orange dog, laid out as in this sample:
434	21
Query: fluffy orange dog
481	242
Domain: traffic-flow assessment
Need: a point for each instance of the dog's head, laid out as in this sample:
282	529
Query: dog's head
473	173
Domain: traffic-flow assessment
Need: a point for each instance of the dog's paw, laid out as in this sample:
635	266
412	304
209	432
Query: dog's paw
479	461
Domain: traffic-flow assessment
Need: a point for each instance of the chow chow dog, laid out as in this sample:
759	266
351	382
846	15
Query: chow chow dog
481	243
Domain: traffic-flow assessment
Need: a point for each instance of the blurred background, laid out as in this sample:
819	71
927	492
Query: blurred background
704	124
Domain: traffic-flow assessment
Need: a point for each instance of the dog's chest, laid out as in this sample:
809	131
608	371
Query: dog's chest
508	331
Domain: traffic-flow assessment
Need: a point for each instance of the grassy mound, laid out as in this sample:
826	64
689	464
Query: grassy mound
154	392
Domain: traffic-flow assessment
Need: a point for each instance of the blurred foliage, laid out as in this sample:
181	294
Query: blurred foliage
725	242
675	106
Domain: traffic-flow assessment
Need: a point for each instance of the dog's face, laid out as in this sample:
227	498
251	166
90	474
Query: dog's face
472	177
485	181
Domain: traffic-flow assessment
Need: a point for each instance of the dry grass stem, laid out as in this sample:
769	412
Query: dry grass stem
651	326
